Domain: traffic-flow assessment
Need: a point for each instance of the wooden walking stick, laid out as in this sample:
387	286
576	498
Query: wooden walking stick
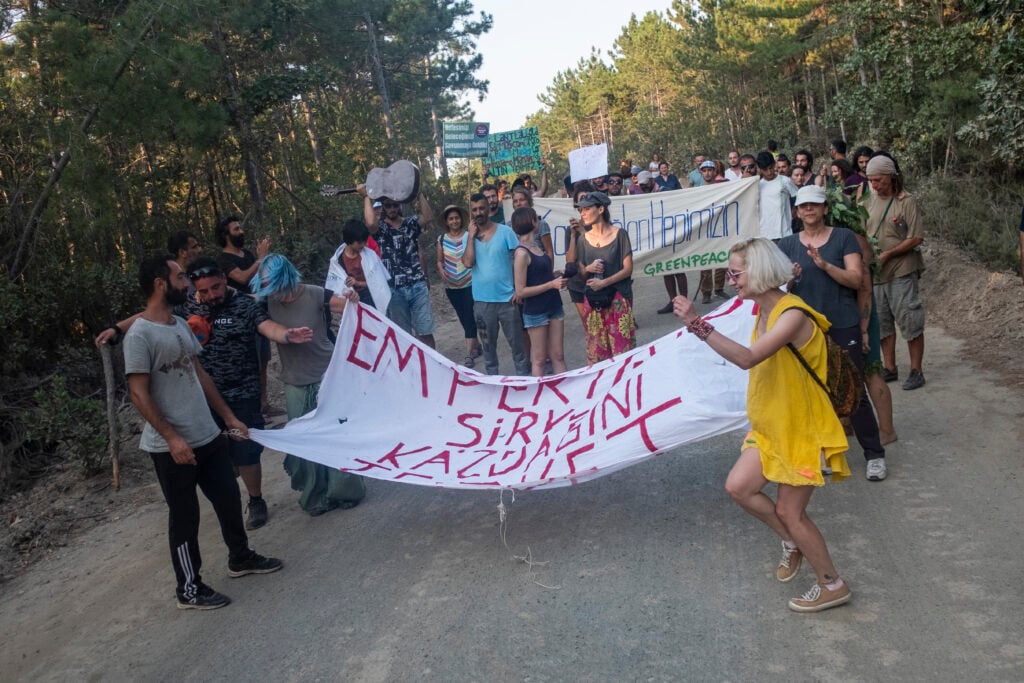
114	447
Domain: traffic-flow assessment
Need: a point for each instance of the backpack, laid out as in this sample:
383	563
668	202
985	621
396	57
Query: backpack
845	383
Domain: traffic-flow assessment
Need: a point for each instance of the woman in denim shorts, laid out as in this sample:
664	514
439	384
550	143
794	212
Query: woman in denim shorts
538	288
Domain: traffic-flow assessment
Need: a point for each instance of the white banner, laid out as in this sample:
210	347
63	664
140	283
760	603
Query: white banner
391	408
671	232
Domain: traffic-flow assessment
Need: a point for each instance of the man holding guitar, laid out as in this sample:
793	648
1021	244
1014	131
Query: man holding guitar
398	238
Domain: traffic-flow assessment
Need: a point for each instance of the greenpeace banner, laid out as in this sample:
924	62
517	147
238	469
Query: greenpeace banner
674	231
390	408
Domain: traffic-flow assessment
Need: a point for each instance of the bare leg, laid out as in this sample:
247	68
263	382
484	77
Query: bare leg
556	346
916	348
252	477
538	349
670	286
583	314
792	510
744	484
881	397
427	339
889	351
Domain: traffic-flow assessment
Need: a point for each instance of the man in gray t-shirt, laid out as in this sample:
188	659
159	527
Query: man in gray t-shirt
171	390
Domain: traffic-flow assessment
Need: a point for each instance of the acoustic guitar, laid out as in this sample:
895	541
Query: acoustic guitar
400	182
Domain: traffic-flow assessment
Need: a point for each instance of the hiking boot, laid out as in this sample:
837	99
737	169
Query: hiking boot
255	513
890	375
876	470
721	294
254	564
915	380
707	298
820	598
790	563
205	598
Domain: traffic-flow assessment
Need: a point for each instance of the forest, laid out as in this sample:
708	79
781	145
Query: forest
126	121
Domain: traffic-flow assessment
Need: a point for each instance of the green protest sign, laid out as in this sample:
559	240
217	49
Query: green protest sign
465	139
513	151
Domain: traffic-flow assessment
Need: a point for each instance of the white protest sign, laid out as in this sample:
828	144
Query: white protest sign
391	408
670	232
590	162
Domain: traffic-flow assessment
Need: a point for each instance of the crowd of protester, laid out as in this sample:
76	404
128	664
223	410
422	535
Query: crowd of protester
204	335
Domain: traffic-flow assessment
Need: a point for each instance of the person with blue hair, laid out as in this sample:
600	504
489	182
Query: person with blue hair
279	283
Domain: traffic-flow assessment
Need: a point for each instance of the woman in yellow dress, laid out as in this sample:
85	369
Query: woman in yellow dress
794	432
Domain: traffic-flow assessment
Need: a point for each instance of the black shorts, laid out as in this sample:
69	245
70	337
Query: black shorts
248	411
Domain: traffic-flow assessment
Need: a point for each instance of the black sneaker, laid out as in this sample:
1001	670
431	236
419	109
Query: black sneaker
707	298
255	564
255	513
205	598
890	375
667	308
915	380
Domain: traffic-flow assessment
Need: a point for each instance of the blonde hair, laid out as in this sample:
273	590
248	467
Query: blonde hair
766	266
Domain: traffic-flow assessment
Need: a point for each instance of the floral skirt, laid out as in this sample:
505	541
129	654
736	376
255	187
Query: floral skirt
610	331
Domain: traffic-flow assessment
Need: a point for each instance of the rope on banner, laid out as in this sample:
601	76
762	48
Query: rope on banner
503	531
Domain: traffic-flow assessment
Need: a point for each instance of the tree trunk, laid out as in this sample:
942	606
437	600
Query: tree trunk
311	132
382	86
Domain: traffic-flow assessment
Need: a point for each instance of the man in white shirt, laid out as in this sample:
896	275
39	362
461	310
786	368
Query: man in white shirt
733	172
776	217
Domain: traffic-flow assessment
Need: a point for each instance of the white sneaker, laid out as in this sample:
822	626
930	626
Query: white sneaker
876	469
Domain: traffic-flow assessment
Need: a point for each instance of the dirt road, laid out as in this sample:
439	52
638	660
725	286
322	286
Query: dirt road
648	574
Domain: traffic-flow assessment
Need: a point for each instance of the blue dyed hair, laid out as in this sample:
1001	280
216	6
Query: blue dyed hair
276	276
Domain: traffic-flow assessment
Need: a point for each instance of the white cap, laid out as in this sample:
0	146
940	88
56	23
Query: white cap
811	194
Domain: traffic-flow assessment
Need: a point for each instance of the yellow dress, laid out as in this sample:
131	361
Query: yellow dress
791	417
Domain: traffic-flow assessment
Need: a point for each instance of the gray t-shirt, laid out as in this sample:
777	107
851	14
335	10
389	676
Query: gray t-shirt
303	364
168	354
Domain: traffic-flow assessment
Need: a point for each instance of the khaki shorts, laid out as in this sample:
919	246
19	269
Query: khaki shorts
899	305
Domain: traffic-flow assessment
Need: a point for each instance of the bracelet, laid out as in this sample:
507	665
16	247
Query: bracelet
701	328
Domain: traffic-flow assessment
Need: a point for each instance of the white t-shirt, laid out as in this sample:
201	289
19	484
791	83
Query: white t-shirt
733	175
776	216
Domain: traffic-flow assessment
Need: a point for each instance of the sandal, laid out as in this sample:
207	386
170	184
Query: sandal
469	362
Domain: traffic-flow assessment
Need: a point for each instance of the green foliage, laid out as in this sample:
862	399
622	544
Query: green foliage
981	216
72	429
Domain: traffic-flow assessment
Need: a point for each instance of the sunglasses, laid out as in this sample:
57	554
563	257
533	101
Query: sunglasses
614	182
748	167
203	272
733	275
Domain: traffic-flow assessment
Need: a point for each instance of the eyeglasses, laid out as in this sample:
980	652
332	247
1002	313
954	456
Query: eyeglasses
748	167
733	275
203	272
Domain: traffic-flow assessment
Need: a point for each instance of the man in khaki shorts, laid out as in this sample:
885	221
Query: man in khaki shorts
895	225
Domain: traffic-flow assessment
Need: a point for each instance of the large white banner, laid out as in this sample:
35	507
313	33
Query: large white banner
673	231
391	408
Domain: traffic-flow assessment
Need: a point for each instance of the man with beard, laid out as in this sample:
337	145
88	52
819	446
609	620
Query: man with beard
733	172
229	356
400	252
227	324
488	255
497	211
240	265
174	395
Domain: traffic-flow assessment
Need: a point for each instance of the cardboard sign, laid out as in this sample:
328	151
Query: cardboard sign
514	151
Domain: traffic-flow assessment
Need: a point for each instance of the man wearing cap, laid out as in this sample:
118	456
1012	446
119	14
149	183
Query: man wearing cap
776	217
717	276
614	184
488	255
895	226
398	238
643	184
828	273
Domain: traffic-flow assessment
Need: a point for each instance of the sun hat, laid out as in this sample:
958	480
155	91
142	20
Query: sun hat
811	194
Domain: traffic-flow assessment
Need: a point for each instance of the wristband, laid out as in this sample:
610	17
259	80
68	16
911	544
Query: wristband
701	328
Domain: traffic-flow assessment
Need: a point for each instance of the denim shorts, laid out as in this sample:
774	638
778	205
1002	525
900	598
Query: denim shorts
541	319
410	309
